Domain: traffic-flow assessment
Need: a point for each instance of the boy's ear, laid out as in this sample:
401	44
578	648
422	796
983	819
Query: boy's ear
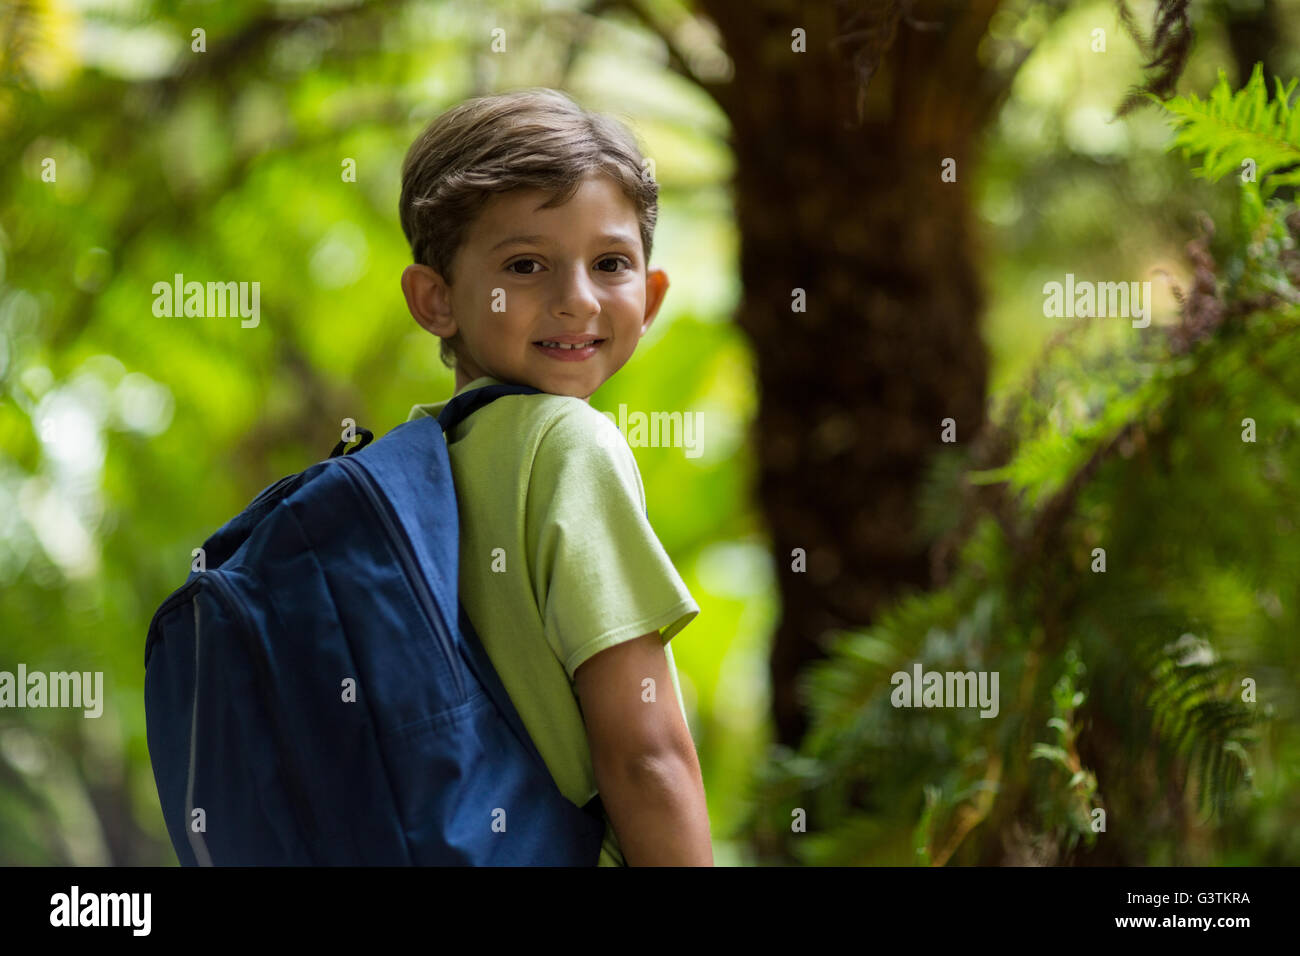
656	285
429	299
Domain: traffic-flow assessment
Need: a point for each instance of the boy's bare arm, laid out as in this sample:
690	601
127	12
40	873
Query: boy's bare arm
647	771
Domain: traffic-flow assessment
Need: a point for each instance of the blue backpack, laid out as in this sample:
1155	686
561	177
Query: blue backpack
317	695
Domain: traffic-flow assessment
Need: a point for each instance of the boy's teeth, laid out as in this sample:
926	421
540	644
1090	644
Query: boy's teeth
560	345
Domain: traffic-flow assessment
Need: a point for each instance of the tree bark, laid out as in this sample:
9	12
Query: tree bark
1253	32
842	196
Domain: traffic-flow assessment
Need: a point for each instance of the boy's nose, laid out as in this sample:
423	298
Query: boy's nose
576	295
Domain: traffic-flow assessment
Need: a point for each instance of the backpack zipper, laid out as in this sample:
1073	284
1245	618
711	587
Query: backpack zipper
363	479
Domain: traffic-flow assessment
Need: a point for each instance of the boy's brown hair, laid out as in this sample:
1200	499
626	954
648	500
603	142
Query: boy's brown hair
531	138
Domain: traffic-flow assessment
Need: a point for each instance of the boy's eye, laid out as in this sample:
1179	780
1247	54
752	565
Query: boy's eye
616	259
520	262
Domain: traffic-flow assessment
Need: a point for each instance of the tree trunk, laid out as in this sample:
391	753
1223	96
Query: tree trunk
1253	33
850	206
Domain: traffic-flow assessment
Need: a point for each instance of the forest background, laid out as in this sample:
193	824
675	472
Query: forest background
906	457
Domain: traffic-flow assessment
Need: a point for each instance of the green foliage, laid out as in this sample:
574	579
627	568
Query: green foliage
127	438
1077	795
1230	128
1122	668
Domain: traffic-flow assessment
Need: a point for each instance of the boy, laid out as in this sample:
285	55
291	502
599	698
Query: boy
530	223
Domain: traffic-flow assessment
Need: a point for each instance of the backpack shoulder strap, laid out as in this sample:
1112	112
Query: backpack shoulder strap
456	410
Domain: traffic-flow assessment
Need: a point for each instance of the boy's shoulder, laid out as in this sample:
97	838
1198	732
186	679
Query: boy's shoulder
557	428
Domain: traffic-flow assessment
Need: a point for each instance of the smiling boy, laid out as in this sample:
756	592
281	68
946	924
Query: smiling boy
531	226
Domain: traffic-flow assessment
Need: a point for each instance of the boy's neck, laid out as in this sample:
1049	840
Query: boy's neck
463	379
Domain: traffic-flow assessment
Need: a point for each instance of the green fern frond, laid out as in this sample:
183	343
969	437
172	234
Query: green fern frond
1231	128
860	664
1195	720
1045	462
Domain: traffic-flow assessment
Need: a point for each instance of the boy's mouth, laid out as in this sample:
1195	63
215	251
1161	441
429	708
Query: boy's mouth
569	348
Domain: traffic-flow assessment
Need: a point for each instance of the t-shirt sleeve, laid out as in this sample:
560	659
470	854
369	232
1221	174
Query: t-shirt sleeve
599	572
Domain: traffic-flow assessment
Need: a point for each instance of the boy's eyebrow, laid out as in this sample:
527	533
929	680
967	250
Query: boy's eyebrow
609	237
513	240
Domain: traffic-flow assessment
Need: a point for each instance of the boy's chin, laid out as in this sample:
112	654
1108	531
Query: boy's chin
581	386
570	389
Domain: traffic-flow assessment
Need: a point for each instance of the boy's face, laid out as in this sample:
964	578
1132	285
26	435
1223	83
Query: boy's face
526	276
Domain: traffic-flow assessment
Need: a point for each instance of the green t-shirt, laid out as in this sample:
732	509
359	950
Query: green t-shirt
558	561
